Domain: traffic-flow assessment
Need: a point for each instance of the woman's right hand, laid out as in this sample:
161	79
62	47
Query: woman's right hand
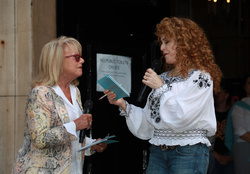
83	122
111	98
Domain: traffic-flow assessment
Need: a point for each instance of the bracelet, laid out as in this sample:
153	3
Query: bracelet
93	151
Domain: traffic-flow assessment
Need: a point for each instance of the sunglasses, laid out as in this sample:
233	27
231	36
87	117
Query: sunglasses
77	57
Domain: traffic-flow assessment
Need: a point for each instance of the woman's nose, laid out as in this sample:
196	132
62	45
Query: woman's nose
82	60
162	47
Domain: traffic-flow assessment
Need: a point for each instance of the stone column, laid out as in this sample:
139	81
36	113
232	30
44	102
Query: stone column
25	26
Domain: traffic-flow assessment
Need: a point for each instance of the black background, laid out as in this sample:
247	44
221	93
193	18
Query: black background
126	27
121	28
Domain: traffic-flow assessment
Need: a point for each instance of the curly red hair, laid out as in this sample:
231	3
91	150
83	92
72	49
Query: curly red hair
193	49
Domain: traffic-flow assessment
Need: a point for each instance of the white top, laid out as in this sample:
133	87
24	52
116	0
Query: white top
180	112
241	120
74	112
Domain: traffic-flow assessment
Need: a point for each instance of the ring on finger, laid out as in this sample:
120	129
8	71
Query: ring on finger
90	123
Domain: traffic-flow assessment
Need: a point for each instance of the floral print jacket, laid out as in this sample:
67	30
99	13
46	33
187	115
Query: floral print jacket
46	145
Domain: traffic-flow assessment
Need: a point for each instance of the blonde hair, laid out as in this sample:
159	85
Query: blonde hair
51	60
193	48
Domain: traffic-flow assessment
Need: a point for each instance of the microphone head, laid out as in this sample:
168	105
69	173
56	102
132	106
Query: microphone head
88	104
156	64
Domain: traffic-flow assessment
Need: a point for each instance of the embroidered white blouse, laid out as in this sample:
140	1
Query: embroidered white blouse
74	112
180	112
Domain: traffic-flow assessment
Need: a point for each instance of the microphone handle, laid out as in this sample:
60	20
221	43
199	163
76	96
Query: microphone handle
144	90
82	135
142	93
83	131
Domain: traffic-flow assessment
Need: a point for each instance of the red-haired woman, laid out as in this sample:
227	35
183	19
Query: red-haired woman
179	114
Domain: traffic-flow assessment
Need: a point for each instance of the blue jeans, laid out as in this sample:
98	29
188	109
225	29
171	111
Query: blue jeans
181	160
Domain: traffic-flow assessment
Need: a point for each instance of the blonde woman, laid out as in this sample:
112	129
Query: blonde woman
54	113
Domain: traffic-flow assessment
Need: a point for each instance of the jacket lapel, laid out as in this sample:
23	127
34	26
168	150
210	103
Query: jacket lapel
60	107
78	99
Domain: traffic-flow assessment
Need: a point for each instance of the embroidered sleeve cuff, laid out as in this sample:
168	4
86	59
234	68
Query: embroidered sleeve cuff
128	110
159	91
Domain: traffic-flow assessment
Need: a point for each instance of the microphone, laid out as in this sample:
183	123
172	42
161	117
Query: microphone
156	64
88	105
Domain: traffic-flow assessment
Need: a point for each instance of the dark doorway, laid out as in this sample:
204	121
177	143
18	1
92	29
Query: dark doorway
120	27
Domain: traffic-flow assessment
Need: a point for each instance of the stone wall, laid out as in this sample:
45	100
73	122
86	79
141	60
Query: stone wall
25	26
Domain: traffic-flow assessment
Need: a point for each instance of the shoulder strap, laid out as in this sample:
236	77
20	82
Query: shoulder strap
243	105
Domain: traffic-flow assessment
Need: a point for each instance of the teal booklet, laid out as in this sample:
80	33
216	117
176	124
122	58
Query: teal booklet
108	82
106	140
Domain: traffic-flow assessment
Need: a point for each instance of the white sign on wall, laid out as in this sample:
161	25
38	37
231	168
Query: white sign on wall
119	67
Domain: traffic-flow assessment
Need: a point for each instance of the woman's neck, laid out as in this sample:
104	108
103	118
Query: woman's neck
177	71
65	87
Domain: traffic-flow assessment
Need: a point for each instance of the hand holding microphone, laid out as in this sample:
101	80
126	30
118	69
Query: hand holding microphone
151	79
84	121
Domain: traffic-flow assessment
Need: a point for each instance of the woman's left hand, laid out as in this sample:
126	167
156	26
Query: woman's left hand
152	79
99	147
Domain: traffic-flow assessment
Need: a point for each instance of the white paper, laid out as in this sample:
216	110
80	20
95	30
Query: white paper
119	67
104	140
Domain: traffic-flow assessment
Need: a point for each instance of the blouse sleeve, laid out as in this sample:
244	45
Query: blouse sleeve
88	141
40	121
71	128
239	123
189	104
137	122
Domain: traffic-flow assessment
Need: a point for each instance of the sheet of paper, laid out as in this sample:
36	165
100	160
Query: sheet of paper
118	66
105	140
